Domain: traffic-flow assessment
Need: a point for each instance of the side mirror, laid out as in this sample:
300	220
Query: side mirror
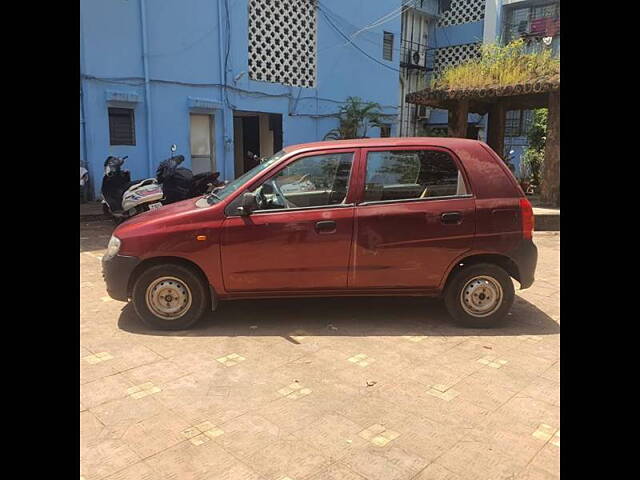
249	204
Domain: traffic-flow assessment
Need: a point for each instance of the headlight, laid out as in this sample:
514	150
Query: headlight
114	247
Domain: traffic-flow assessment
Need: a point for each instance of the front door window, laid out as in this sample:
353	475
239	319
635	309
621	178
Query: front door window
314	181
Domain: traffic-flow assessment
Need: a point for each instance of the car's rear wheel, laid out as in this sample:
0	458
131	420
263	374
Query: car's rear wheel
479	296
170	296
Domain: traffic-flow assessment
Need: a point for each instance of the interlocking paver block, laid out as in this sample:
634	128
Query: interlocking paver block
545	432
231	360
378	435
361	359
143	390
294	391
492	361
202	432
199	440
443	392
98	357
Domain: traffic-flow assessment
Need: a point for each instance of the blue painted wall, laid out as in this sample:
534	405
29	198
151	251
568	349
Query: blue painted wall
184	58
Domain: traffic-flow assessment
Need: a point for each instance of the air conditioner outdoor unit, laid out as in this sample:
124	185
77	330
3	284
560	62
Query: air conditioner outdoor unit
417	58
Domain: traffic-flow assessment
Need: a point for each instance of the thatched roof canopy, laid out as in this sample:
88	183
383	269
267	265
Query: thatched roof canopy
527	95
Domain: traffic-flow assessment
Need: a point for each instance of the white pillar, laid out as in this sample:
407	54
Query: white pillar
491	21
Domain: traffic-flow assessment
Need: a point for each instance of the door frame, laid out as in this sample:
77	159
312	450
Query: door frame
362	171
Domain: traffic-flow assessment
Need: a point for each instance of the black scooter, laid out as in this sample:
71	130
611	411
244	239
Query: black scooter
179	183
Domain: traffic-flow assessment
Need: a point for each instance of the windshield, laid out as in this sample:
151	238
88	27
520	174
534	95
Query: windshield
231	187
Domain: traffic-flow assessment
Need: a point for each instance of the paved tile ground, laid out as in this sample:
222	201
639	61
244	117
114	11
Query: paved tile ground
352	389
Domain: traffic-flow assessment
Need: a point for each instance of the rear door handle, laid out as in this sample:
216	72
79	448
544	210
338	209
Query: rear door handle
451	217
327	226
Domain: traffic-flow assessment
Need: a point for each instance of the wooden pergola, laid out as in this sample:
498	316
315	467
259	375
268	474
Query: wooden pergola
496	101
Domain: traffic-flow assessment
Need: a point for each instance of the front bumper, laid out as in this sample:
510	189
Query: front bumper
525	256
116	272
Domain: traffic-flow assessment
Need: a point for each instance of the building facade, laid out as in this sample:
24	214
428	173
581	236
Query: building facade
220	78
440	33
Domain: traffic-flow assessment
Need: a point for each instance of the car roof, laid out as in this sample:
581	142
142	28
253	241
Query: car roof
446	142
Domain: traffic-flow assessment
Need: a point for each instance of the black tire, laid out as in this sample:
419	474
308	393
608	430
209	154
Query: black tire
196	285
453	292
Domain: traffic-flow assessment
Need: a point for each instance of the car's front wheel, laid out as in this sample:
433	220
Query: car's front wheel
479	296
170	296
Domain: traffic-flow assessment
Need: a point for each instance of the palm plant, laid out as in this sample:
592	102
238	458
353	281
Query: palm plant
355	117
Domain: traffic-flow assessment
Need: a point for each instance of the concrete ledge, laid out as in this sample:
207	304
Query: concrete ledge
546	219
91	211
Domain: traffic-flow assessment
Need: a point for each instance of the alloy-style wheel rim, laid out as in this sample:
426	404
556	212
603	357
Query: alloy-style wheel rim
168	298
481	296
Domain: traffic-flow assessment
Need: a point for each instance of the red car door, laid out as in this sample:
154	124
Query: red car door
414	217
301	243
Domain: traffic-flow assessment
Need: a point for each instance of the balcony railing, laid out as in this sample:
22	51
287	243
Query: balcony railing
413	55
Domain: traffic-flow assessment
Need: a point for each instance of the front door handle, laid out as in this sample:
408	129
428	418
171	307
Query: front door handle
451	217
327	226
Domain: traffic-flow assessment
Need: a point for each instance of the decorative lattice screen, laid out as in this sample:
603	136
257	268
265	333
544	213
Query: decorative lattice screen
282	41
462	11
455	54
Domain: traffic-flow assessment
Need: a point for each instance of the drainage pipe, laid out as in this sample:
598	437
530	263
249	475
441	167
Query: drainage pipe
221	166
147	93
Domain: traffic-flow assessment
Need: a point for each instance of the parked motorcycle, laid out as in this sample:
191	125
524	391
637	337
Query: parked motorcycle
123	198
179	183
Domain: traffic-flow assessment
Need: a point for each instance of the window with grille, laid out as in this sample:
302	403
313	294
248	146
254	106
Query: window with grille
538	21
282	42
517	123
122	125
387	46
385	130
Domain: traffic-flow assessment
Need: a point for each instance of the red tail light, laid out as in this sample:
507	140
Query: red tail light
526	212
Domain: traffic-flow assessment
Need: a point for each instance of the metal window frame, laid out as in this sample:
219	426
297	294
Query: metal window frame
387	43
111	112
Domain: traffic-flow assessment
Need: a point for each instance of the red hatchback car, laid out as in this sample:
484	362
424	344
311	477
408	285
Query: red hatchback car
388	216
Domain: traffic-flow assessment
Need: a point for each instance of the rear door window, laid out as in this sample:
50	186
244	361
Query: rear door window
411	174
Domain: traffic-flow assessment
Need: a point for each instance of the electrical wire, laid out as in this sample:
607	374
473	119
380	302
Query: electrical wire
391	15
131	82
341	33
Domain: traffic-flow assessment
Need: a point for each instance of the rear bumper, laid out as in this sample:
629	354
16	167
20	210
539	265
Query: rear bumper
525	257
116	272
